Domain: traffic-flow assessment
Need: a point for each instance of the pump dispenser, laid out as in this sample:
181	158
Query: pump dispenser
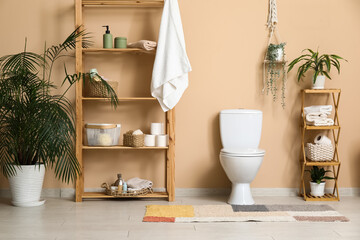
107	38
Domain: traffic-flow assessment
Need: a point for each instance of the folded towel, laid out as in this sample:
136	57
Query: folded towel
318	108
321	122
138	184
171	66
311	117
144	44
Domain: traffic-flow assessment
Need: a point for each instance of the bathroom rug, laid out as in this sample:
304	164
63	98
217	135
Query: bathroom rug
241	213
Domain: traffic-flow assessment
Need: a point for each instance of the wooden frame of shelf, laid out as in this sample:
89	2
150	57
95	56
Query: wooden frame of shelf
335	163
170	115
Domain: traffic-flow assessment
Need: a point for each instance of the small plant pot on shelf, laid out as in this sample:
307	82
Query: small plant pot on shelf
319	83
317	189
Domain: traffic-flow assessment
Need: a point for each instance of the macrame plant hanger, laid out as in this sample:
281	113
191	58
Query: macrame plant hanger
272	26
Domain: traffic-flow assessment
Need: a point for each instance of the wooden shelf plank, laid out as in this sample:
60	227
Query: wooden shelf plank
120	99
326	163
326	197
122	148
88	195
123	3
117	50
322	127
330	90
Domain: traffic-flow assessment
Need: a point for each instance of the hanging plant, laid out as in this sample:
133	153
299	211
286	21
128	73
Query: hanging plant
276	71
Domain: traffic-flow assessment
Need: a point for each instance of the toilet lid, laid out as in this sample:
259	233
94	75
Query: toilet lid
243	152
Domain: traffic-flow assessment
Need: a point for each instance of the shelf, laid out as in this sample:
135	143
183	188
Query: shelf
117	50
153	4
94	195
331	90
321	127
124	99
326	197
122	148
324	164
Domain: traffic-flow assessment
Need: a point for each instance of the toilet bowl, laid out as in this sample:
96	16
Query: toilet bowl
241	169
240	131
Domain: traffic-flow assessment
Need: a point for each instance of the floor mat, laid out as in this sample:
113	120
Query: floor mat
241	213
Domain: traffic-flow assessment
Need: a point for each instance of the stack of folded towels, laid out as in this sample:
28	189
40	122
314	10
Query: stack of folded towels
143	44
136	184
318	115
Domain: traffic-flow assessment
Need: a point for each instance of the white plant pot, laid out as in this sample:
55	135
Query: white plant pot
319	83
26	185
317	189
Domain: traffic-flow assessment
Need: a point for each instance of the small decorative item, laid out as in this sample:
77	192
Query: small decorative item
317	184
320	64
120	42
276	52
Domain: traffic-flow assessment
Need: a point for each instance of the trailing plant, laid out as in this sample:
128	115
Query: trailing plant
320	64
36	125
275	71
318	174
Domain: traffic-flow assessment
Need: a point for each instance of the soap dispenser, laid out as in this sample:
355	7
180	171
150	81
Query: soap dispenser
107	38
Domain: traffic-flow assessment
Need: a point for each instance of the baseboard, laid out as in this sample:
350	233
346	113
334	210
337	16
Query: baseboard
191	192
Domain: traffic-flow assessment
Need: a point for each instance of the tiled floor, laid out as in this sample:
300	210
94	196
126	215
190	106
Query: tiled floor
64	219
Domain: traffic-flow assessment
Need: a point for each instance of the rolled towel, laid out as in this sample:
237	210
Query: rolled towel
138	184
144	44
137	132
318	108
322	139
321	122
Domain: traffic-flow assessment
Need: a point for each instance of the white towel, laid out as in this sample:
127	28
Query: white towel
138	184
318	108
311	117
171	66
144	44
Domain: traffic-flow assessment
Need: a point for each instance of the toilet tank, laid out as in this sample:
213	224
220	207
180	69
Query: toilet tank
240	128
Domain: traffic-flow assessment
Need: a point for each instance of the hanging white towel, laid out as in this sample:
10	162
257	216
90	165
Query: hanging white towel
171	67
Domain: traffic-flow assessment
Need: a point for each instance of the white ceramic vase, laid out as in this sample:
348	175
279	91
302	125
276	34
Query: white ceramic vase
317	189
26	185
319	83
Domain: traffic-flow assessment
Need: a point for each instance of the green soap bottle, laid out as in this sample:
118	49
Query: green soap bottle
107	38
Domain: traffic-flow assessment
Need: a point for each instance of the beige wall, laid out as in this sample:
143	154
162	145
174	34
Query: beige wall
225	42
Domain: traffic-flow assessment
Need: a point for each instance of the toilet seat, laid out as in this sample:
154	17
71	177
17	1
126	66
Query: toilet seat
250	152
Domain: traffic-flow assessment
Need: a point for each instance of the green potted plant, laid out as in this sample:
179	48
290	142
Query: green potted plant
275	65
317	184
320	64
37	129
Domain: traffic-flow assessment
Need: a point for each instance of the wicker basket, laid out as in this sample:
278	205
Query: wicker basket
117	193
131	140
96	89
319	152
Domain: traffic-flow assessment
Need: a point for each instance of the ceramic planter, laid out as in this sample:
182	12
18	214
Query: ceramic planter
319	83
26	185
317	189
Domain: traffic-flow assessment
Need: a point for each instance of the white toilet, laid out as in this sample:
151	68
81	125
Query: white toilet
240	131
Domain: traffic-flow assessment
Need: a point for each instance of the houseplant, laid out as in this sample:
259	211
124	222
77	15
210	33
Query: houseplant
320	64
317	184
36	125
275	70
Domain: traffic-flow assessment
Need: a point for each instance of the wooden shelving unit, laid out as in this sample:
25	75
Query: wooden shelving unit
335	129
80	99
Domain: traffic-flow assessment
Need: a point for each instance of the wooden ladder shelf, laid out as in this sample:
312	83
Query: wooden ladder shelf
80	99
335	163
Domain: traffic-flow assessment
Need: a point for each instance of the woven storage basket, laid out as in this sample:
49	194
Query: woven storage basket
116	193
319	152
96	89
131	140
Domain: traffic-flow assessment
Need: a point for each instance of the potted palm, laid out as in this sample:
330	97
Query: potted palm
37	126
317	184
320	64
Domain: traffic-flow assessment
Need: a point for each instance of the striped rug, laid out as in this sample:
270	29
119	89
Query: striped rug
240	213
